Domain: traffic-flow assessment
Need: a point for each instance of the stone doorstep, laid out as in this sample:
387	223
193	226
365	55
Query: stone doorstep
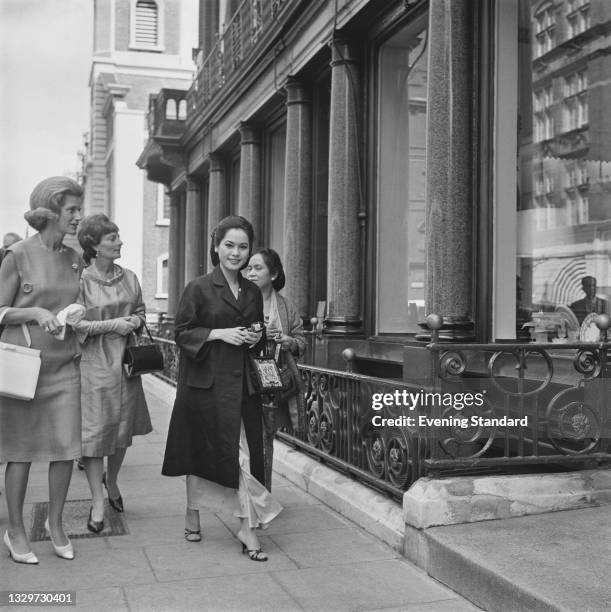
467	499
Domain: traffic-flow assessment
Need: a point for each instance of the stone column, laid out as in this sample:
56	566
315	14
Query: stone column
298	195
216	200
344	239
450	208
249	198
193	231
174	277
208	25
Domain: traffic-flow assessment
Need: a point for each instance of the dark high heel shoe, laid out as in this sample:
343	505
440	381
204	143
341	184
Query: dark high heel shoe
255	555
116	504
94	526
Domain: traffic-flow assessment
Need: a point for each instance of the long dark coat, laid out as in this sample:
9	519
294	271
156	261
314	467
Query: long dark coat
213	388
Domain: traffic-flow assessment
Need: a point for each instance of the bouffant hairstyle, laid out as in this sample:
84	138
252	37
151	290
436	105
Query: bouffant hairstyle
91	230
274	265
48	198
226	224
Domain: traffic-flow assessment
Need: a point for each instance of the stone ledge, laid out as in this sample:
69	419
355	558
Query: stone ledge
449	501
377	514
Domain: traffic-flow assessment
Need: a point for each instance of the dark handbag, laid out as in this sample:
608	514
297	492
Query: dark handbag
141	359
265	374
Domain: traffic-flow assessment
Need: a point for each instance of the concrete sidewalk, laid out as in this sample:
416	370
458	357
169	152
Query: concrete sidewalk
318	559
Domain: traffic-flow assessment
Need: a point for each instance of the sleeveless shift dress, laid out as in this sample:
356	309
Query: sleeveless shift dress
47	428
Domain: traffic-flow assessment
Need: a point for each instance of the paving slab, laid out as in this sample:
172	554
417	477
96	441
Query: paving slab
446	605
390	583
169	530
332	547
212	558
258	592
95	568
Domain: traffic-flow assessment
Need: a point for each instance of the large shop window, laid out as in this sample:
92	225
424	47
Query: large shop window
401	160
553	218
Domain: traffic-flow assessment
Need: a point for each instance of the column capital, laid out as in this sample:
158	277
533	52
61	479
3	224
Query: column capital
297	92
192	184
249	133
344	51
216	163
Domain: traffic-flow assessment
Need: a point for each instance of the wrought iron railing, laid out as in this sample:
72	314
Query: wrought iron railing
537	403
240	36
387	433
170	360
344	416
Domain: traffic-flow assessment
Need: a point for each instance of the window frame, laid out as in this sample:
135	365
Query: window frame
159	293
389	25
161	219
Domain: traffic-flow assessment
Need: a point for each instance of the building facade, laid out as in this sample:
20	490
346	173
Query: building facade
139	47
404	158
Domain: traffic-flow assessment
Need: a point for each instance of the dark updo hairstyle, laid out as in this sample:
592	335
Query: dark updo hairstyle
274	265
91	231
226	224
48	198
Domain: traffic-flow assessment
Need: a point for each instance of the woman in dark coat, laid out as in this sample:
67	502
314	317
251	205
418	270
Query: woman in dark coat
216	421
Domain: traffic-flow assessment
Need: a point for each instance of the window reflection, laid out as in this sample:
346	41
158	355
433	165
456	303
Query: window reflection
564	168
402	108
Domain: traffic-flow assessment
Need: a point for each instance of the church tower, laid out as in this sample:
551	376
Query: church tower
139	47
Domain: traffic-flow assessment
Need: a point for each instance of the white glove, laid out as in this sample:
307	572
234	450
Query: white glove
70	315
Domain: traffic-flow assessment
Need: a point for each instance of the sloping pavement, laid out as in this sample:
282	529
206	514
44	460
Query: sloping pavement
318	560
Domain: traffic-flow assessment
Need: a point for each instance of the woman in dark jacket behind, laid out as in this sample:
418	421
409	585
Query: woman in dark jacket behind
215	435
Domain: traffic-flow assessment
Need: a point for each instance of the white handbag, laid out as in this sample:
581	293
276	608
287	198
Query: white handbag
19	367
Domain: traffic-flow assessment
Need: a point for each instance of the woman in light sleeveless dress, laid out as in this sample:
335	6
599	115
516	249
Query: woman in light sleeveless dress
39	277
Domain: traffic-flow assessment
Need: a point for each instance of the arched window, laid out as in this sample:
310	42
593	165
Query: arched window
182	109
170	109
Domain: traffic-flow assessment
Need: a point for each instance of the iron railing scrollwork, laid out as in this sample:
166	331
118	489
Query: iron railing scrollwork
344	428
541	403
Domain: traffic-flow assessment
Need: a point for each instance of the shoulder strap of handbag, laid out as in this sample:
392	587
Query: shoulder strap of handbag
24	327
147	330
134	336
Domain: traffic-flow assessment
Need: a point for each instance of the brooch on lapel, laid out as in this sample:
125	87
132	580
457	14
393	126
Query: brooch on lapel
27	288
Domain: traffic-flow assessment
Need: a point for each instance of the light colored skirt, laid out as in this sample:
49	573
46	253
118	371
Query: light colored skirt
252	502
